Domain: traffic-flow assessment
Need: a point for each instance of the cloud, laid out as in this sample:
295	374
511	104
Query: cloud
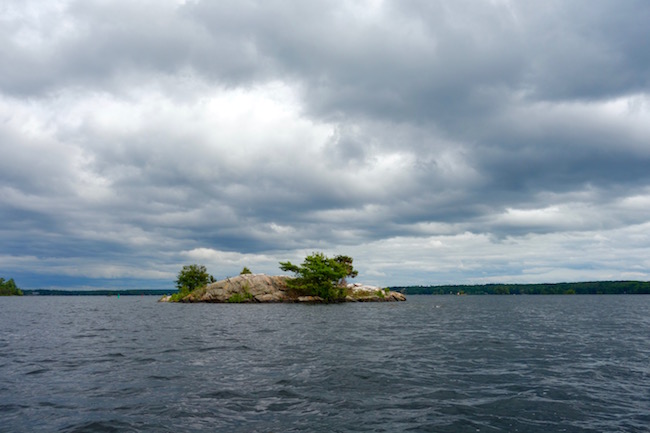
432	141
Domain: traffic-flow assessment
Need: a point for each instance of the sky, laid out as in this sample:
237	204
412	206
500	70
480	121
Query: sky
434	141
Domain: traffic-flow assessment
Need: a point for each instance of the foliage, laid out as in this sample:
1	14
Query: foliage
237	298
580	288
102	292
245	271
176	297
192	277
346	262
9	288
321	276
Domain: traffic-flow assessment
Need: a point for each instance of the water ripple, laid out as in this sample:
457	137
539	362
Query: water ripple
440	364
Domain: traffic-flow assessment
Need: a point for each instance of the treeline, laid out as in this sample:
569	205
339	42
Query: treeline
9	288
582	288
131	292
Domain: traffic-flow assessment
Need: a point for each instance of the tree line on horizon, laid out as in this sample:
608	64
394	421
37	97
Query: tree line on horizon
98	292
579	288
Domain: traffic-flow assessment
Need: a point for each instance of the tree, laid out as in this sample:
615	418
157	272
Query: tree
245	271
9	288
192	277
321	276
346	261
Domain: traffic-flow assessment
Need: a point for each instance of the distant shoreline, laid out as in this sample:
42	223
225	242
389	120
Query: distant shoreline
580	288
130	292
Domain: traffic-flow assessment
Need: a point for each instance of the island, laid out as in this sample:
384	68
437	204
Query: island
261	288
319	279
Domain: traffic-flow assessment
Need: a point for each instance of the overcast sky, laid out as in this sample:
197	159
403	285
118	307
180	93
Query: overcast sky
435	142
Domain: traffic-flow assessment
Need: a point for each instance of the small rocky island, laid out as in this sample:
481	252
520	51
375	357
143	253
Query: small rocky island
261	288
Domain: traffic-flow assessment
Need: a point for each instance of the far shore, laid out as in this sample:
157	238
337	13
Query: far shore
576	288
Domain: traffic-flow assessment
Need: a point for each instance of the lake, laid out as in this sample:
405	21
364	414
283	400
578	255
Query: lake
431	364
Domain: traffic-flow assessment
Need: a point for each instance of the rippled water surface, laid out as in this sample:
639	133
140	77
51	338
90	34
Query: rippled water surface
431	364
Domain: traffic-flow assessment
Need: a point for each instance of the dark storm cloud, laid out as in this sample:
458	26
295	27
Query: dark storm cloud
403	62
145	134
588	51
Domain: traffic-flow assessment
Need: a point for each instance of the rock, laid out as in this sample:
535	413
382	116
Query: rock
366	293
396	296
311	299
165	298
242	288
253	288
271	297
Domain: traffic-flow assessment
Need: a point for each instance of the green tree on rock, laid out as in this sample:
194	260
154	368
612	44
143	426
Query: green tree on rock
321	276
192	277
346	262
9	288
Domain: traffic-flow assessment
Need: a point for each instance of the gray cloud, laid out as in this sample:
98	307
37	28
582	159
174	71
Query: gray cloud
433	141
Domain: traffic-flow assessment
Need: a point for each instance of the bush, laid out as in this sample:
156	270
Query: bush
176	297
321	276
237	298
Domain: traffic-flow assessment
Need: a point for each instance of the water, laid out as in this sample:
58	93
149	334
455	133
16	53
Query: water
432	364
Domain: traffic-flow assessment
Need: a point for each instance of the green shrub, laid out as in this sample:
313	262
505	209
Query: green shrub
321	276
176	297
238	298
